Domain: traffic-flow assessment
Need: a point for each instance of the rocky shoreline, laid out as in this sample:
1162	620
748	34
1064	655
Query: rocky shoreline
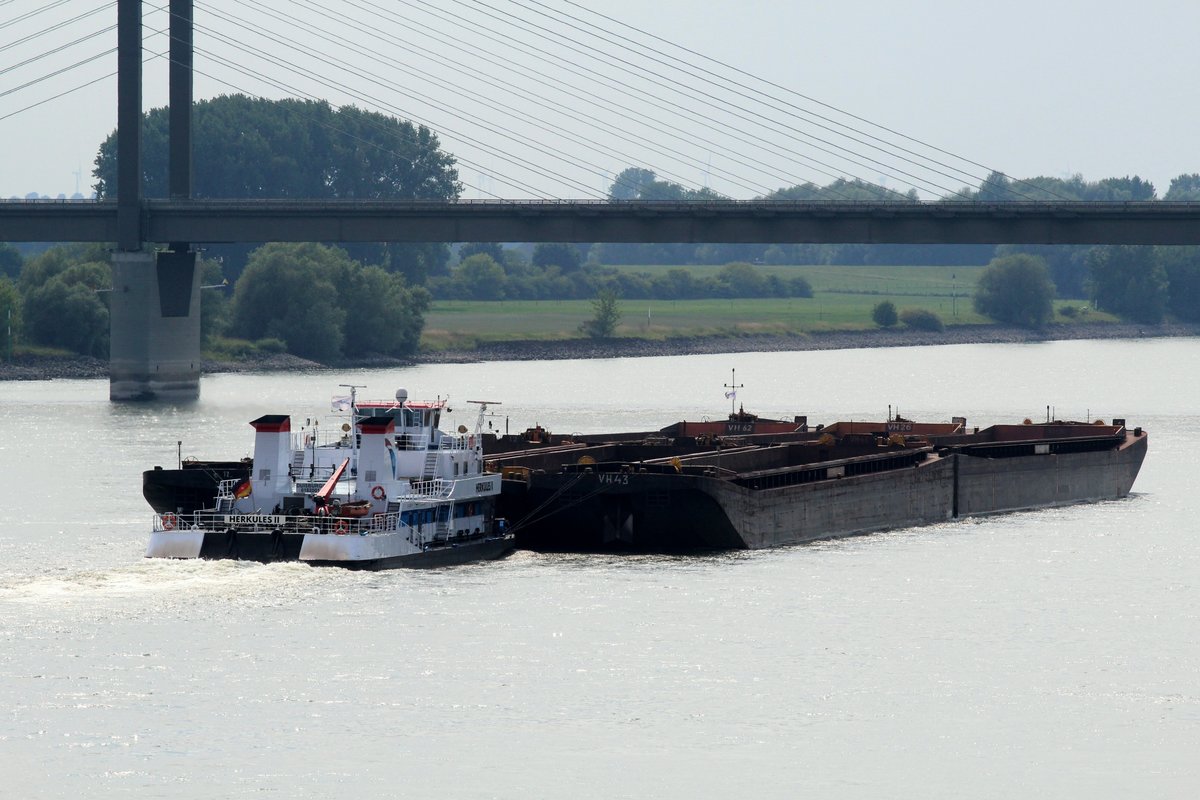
31	367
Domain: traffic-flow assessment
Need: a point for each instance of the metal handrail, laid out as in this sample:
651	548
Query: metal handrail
288	523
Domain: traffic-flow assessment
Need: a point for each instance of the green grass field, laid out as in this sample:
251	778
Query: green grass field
842	300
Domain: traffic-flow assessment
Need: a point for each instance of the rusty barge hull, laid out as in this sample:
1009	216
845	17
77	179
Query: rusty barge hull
654	505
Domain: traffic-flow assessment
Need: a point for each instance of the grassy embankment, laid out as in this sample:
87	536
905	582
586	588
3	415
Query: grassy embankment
842	301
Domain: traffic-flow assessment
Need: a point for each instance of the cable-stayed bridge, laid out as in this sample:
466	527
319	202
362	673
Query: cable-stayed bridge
562	92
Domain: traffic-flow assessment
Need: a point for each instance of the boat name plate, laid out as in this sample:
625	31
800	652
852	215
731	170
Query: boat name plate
253	519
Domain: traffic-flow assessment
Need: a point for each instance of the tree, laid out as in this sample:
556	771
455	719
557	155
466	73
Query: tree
607	313
325	305
884	314
10	261
256	148
798	286
630	183
492	249
1016	289
290	292
64	302
740	279
67	315
214	302
1182	265
921	319
557	254
1184	187
383	314
10	315
1067	264
253	147
1128	280
479	277
996	188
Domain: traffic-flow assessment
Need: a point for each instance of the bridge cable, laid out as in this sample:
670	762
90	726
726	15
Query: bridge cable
811	99
51	29
545	103
567	66
461	90
379	103
56	50
691	70
711	100
318	100
621	111
660	101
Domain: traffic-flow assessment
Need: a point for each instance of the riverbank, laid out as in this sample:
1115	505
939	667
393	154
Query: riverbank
534	350
43	367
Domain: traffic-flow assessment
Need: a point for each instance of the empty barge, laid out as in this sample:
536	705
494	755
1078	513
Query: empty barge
749	483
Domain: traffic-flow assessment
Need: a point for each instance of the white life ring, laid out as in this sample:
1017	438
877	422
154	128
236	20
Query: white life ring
340	527
378	493
168	522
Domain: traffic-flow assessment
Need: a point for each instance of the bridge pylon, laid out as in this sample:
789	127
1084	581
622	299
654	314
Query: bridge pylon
154	348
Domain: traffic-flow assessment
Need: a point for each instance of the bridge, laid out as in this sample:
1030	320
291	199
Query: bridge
218	221
155	302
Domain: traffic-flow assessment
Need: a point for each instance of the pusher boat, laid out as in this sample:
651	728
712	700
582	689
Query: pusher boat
389	489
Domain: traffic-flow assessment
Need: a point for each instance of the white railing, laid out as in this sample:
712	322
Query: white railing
288	523
438	488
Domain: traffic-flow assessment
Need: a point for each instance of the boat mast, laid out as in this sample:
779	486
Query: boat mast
483	406
731	395
353	419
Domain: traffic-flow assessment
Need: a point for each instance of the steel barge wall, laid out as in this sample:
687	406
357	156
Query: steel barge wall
693	505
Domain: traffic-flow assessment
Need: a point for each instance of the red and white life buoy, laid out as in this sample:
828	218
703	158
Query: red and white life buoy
168	522
378	493
340	527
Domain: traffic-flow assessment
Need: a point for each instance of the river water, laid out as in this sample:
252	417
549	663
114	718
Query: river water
1052	653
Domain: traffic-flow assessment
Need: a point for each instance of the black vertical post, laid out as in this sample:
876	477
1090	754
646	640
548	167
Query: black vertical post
181	100
129	125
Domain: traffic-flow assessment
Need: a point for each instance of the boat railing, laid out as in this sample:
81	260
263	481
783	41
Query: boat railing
307	440
458	442
286	523
412	441
439	488
225	488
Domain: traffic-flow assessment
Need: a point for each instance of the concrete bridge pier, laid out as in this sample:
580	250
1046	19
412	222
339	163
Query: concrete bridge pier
154	346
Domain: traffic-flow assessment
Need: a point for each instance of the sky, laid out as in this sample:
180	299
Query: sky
1054	88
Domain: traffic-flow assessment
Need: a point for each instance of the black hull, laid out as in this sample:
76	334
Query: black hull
269	548
449	556
630	513
192	488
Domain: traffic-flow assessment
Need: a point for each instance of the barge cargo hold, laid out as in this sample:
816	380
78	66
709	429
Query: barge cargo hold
687	488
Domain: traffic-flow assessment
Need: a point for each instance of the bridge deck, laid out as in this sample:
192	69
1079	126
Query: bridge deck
210	221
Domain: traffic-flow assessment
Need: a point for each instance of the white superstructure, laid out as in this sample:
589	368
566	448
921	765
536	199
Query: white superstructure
388	487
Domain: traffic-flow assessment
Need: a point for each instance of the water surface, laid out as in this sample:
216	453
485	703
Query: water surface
1050	653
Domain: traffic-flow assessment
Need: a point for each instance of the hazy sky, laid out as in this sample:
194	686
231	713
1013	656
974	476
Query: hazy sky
1102	88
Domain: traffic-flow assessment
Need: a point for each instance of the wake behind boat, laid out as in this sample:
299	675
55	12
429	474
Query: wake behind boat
388	490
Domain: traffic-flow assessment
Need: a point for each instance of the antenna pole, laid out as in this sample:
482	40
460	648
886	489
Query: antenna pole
733	386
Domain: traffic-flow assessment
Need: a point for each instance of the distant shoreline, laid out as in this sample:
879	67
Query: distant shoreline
32	368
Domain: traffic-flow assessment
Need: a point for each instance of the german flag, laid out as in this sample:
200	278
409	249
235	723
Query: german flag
243	489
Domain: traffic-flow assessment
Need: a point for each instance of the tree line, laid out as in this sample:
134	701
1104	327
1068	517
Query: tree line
490	271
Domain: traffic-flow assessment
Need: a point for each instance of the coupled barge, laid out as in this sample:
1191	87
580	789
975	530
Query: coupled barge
747	483
389	489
